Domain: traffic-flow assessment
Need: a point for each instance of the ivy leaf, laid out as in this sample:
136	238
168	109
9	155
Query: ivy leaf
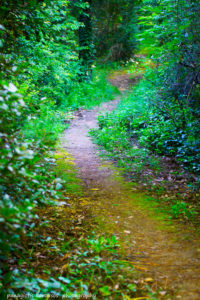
105	290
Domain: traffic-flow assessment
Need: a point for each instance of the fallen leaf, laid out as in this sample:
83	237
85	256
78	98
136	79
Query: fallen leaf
65	267
66	256
149	279
140	298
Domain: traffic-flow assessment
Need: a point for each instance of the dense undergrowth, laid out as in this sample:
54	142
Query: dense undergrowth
39	86
42	79
143	130
158	129
28	140
159	119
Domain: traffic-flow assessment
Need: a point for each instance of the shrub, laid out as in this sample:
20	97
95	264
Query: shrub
142	120
26	180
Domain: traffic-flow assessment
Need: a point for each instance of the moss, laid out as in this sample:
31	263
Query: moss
66	169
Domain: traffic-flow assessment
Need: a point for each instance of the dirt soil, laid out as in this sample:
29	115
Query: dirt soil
123	81
168	253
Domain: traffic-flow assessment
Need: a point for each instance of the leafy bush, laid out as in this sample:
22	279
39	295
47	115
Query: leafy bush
88	94
142	120
48	61
44	126
26	180
118	131
169	31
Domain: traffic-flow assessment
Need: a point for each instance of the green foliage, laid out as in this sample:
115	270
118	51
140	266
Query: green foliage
45	126
142	119
170	33
47	61
119	131
180	209
86	52
45	68
43	62
114	29
26	179
93	269
89	94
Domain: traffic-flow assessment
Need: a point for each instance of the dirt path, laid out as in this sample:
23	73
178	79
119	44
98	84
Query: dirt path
168	253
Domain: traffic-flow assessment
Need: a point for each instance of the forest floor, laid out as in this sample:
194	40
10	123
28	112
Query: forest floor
166	253
169	253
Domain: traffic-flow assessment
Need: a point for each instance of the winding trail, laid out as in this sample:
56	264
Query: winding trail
166	252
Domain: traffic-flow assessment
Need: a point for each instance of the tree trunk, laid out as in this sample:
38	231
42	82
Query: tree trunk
85	43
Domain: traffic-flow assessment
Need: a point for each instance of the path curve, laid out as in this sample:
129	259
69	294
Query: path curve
169	256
